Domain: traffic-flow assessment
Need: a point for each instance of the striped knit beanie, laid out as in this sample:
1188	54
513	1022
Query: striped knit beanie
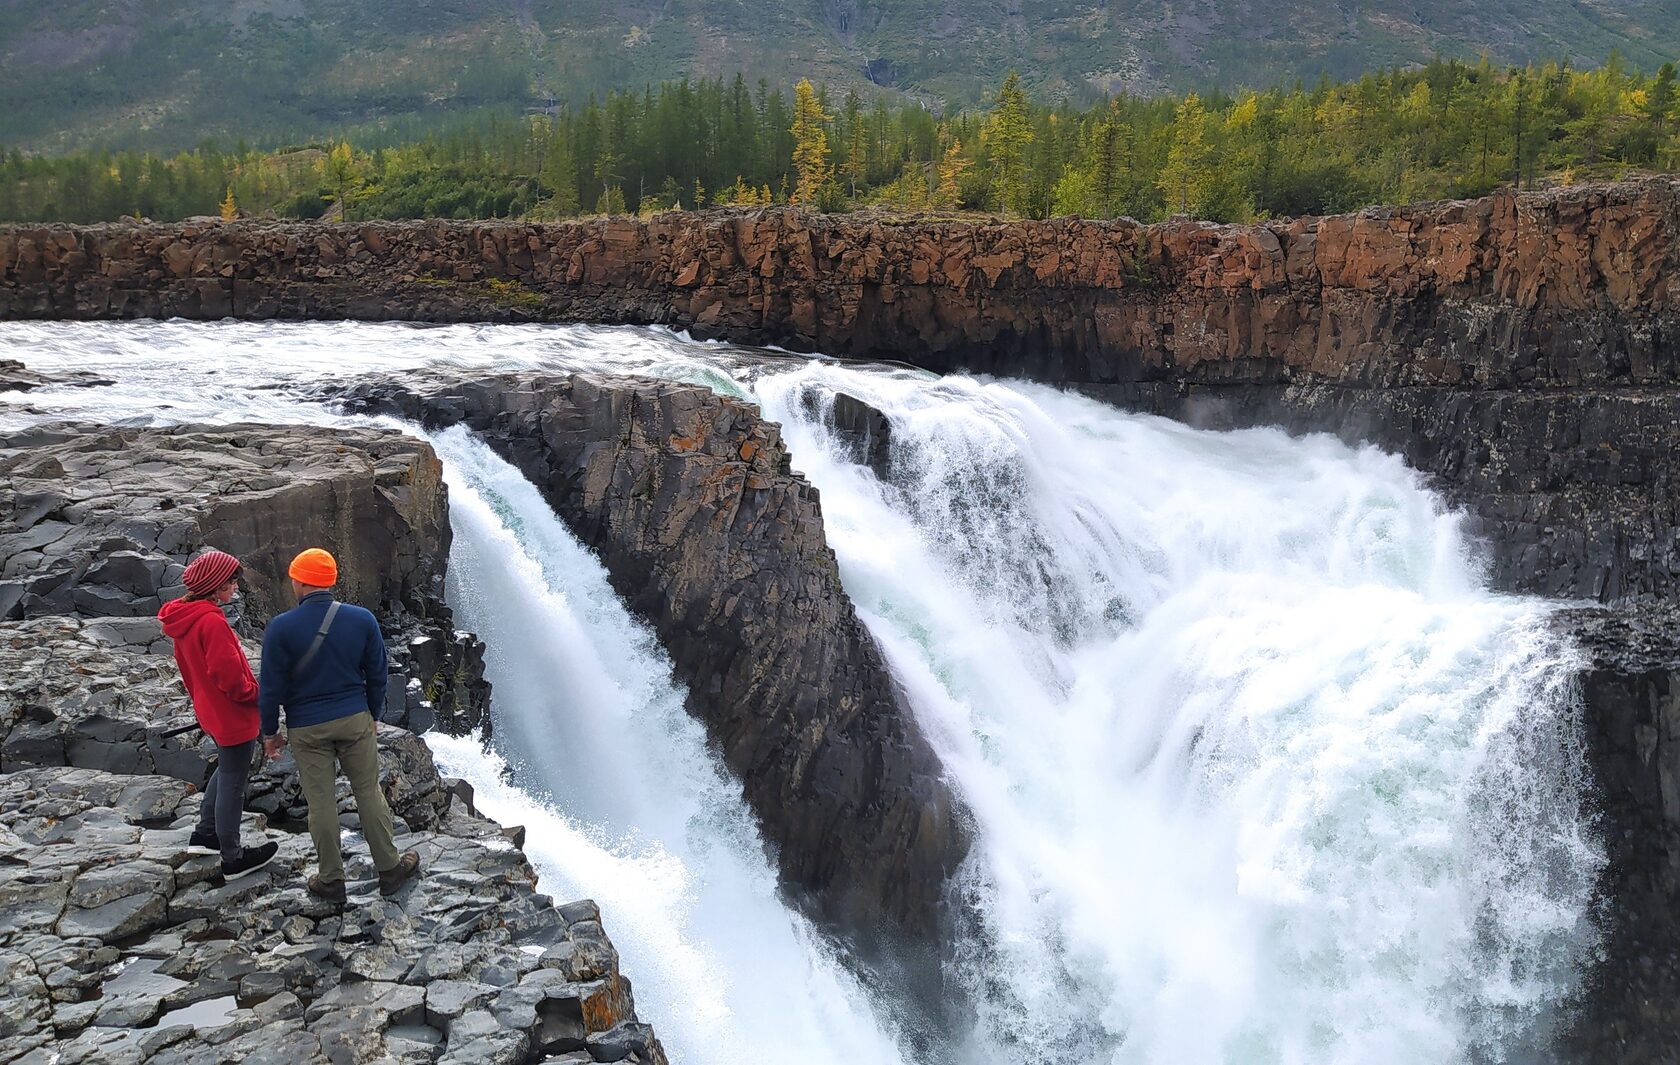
209	571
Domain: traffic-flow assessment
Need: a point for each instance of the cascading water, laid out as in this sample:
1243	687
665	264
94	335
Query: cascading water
1259	772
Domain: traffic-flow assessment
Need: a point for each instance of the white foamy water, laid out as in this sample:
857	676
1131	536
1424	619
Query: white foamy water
1259	772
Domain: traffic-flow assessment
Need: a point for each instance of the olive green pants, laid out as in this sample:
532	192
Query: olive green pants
320	750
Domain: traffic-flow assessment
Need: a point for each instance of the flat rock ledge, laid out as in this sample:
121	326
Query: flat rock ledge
118	946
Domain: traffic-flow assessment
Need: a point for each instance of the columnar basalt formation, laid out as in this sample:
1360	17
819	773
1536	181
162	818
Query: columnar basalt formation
1520	349
706	531
1360	324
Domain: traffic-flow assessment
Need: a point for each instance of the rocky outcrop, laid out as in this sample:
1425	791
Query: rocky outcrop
706	531
119	946
1546	318
16	377
97	523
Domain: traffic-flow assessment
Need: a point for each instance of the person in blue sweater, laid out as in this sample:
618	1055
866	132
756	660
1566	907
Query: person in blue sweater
324	663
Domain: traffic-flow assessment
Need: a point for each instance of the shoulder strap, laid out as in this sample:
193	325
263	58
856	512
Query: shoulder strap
320	638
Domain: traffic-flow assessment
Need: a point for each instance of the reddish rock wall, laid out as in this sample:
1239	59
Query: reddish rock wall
1521	349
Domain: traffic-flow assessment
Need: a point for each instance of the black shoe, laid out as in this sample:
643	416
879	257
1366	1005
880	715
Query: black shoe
331	890
393	878
249	861
201	842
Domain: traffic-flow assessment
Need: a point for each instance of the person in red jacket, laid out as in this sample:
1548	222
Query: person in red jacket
224	697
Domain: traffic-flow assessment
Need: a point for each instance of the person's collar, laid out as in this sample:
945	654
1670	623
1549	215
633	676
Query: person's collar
316	595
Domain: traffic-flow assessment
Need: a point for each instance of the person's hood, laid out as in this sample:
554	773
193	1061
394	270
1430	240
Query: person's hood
181	616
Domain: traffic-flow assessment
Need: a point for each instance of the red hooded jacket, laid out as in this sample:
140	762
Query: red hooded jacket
214	669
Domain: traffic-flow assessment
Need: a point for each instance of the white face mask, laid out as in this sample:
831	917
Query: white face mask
234	609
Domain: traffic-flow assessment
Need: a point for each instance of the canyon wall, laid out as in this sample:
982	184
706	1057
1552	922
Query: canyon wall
1519	348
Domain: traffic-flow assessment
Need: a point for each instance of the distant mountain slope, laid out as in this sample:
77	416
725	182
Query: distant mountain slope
167	73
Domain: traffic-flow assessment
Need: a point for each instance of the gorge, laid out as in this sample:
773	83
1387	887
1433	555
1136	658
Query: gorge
1512	350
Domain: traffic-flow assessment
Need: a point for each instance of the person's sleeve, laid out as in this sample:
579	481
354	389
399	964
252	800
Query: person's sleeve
224	661
271	687
375	671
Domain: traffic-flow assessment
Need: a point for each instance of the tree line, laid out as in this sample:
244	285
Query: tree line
1448	129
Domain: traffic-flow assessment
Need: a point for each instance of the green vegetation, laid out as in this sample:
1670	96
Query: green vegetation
1445	130
164	75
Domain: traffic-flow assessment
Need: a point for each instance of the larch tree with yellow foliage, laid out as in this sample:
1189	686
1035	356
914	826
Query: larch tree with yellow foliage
810	144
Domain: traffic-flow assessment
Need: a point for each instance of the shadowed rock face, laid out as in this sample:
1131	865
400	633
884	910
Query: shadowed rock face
97	523
689	499
1631	689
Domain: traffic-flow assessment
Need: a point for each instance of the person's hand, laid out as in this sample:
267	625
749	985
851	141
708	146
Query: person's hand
273	745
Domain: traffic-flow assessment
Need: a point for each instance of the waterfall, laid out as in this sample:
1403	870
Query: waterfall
1260	772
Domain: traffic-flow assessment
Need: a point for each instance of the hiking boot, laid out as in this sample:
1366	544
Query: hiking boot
394	878
249	861
331	890
202	842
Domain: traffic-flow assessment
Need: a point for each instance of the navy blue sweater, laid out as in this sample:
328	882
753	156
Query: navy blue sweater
346	676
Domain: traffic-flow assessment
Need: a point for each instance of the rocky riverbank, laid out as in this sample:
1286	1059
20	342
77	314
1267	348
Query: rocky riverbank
116	944
1519	349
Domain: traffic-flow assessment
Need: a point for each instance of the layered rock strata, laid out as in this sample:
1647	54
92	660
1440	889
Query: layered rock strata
706	531
1524	309
98	523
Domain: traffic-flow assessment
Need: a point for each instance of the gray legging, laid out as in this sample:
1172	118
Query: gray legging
224	797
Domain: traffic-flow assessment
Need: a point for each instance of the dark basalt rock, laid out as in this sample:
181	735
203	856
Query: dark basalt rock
1630	689
16	377
707	532
98	523
120	946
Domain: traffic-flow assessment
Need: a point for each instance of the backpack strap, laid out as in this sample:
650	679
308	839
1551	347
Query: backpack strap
320	638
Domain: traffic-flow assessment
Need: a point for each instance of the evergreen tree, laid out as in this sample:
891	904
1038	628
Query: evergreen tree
1006	136
1185	177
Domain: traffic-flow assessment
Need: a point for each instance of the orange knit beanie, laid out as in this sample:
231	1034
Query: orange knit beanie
314	567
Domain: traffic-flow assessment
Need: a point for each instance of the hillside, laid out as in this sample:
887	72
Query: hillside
145	73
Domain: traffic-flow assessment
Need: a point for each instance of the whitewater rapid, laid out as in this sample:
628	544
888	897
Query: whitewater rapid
1259	770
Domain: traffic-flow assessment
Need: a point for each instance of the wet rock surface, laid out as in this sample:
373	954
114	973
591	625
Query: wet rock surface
705	530
1630	687
98	523
16	377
